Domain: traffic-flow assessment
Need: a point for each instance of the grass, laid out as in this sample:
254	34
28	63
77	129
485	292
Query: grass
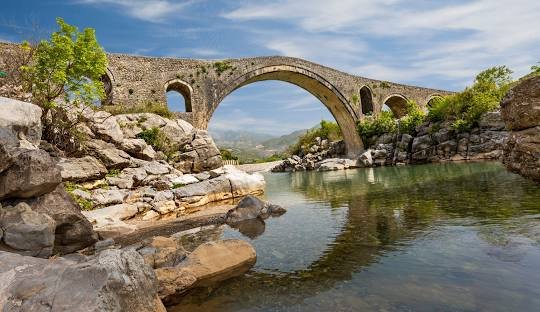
83	203
157	108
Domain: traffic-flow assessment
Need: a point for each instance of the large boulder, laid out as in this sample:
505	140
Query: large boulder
81	169
105	127
115	280
522	153
33	173
521	112
108	154
209	263
26	231
243	183
72	231
22	119
250	207
520	107
162	252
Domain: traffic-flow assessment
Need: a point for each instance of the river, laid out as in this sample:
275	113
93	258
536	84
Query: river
438	237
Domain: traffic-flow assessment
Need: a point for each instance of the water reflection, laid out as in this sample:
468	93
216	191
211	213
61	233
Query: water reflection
436	237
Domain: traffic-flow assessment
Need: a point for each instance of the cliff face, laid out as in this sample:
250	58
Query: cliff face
521	113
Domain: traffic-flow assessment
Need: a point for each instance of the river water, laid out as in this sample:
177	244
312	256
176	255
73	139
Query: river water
440	237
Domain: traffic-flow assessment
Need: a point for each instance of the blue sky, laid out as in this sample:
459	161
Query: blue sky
440	44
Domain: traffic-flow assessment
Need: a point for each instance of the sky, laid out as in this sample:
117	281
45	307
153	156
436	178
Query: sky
438	44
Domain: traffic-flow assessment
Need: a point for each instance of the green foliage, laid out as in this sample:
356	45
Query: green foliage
177	185
415	117
227	155
69	66
535	69
65	69
327	130
83	203
159	141
273	157
355	99
3	74
376	125
113	173
384	85
222	66
466	108
143	107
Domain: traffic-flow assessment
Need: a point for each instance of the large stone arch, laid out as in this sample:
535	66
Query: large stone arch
397	104
328	94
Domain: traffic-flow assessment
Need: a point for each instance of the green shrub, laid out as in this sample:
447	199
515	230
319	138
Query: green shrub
159	141
143	107
415	117
376	125
466	108
85	204
327	130
222	66
113	173
227	155
177	185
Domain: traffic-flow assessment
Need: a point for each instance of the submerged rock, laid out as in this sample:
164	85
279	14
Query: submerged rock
250	207
209	263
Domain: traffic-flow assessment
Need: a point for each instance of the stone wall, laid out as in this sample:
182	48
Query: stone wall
437	142
433	142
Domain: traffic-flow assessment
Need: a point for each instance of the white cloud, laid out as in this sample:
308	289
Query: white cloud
147	10
403	41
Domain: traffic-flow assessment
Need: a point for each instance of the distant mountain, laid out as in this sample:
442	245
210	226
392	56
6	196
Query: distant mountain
241	139
281	143
250	146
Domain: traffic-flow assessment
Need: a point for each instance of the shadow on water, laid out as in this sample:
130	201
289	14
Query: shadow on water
455	237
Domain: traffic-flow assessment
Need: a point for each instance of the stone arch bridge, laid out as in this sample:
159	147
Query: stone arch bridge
204	84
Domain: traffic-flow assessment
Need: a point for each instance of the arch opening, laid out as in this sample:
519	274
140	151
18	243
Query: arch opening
366	100
433	99
178	95
397	104
107	88
330	97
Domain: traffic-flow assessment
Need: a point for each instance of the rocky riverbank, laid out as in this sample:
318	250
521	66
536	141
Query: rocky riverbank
432	142
59	258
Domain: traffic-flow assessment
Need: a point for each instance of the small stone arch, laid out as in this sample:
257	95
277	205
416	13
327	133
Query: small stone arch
431	100
366	100
397	104
182	87
107	88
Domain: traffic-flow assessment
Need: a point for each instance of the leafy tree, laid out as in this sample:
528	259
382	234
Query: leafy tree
465	108
535	69
64	77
